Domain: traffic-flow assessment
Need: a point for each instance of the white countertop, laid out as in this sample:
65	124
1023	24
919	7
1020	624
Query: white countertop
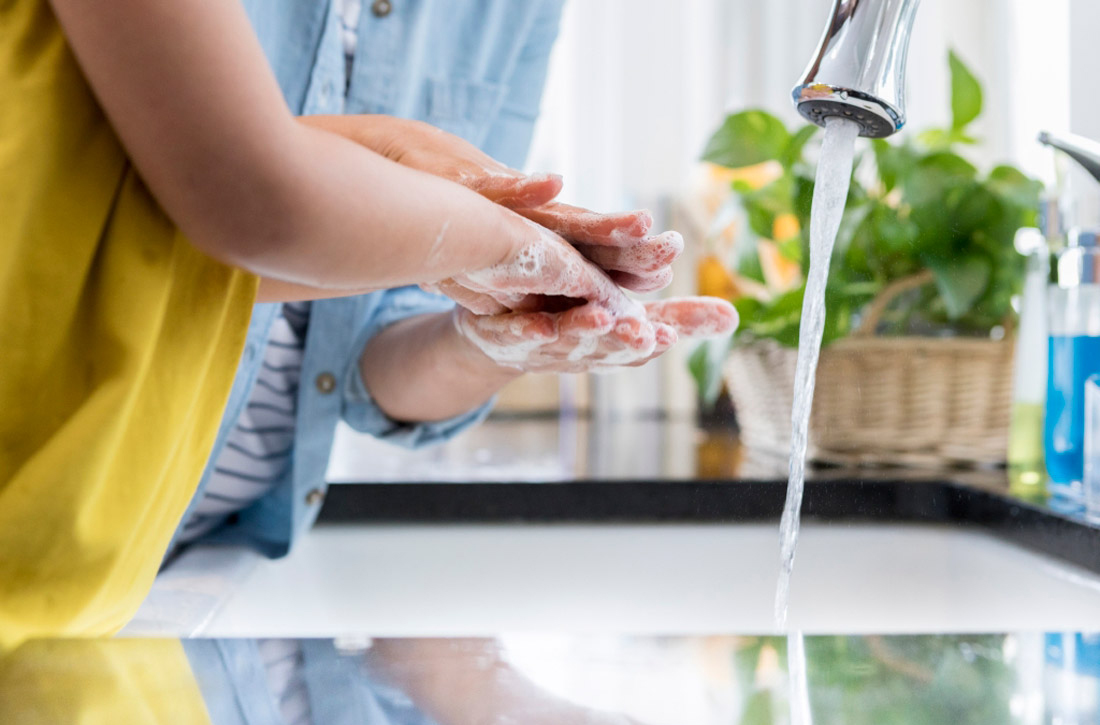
653	579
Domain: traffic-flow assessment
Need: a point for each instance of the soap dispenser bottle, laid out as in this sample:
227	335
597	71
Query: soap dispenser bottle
1073	305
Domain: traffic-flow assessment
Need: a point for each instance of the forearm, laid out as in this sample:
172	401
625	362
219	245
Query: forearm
189	93
356	220
421	370
469	682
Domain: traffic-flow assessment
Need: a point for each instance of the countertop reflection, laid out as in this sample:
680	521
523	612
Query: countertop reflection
983	679
653	447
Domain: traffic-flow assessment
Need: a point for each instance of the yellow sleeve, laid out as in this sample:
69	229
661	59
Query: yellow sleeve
100	682
118	346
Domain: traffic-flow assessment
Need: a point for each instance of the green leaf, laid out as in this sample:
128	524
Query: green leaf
791	249
893	162
933	176
961	283
943	139
705	366
761	217
977	209
966	93
763	205
1016	187
778	320
746	139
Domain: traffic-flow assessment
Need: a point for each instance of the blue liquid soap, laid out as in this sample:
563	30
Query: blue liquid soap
1072	360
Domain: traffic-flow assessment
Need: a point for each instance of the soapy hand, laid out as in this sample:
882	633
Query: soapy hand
591	337
557	304
546	274
619	243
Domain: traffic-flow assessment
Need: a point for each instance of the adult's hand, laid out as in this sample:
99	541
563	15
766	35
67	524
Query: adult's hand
592	337
619	243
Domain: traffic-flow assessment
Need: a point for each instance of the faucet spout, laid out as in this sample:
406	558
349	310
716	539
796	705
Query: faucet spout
858	70
1084	151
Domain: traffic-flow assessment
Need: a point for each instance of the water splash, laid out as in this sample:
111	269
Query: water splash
834	172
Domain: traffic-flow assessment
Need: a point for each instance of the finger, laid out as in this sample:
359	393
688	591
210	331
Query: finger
666	335
646	256
477	302
582	226
520	192
666	338
695	316
634	334
580	332
589	319
643	283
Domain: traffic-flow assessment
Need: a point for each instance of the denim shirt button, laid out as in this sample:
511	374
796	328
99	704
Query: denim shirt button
326	383
314	497
381	8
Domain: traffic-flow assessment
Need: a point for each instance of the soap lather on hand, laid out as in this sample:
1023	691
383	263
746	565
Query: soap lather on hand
558	303
548	309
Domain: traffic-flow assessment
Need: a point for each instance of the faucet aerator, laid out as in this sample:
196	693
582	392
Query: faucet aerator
858	71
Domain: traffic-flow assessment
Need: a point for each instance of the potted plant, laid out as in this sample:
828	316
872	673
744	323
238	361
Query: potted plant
917	359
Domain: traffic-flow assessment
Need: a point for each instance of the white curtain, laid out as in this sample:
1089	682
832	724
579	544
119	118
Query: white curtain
636	86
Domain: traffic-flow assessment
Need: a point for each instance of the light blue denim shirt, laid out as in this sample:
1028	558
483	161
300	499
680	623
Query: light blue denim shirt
230	675
475	68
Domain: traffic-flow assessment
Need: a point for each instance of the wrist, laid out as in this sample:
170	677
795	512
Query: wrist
472	360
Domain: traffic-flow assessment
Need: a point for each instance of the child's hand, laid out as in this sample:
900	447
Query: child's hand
592	337
545	275
619	243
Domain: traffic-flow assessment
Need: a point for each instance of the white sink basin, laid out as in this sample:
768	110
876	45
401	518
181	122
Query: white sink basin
654	579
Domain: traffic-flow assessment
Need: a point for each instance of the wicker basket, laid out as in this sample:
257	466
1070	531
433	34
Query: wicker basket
910	401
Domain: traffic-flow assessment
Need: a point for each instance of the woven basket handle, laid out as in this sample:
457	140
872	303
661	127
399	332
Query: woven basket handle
883	299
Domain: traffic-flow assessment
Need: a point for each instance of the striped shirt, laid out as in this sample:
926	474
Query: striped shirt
257	451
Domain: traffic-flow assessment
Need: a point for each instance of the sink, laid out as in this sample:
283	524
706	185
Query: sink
476	579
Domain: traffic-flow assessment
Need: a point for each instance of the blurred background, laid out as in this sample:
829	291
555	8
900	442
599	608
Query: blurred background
636	87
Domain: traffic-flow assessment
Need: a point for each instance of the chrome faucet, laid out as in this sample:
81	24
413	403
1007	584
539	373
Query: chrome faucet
1084	151
858	71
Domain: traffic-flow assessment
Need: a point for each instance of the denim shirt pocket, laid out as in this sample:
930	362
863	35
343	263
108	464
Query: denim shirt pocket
463	107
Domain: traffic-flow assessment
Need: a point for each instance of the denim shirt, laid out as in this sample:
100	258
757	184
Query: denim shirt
475	68
230	675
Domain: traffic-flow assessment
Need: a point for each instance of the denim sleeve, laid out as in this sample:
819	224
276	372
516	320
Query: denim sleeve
510	135
359	409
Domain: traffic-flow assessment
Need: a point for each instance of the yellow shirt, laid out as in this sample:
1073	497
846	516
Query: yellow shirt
100	682
118	346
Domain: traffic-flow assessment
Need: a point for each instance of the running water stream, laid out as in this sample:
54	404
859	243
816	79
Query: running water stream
834	172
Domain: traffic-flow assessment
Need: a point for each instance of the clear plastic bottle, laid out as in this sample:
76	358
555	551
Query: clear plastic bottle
1073	354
